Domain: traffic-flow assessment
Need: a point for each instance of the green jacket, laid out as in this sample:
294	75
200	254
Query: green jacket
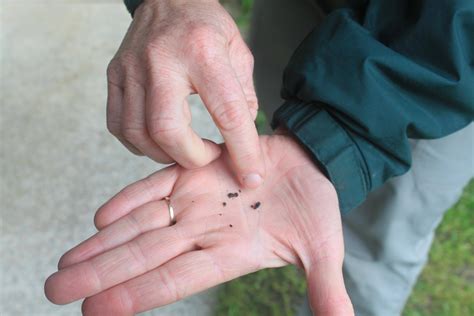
373	75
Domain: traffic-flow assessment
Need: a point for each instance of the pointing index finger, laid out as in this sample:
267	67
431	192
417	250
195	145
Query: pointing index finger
223	96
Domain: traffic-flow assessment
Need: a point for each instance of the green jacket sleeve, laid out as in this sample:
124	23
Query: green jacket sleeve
371	77
132	5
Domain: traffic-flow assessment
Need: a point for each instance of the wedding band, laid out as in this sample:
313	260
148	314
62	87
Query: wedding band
170	211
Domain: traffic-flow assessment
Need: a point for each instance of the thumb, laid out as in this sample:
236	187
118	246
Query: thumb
326	290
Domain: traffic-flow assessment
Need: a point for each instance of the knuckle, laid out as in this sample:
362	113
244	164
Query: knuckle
165	130
170	285
200	31
113	128
138	254
133	134
204	52
134	223
113	71
160	48
127	59
202	43
150	51
229	116
147	186
252	102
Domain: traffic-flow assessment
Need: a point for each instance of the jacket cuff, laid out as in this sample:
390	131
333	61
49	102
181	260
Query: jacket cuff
330	146
132	5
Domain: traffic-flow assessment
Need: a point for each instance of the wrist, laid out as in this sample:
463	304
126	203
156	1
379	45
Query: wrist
301	152
311	205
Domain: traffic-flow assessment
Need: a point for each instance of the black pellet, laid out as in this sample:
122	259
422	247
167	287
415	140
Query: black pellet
256	205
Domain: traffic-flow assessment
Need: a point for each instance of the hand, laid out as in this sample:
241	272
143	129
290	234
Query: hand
173	49
137	261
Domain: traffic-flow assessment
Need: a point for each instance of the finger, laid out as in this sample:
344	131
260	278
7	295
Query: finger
154	187
115	106
181	277
169	126
326	289
134	128
242	62
222	94
118	265
145	218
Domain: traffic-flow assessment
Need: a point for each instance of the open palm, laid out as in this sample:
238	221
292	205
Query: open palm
137	261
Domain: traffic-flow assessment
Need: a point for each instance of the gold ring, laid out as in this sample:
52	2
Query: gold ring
170	211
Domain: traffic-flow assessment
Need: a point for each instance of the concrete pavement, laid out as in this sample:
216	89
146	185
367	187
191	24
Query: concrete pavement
58	162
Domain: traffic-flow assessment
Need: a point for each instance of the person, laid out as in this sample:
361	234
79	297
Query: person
376	118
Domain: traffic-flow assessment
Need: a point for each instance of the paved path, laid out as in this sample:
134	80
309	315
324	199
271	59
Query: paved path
58	162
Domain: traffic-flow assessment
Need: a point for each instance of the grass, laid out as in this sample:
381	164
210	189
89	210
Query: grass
273	292
445	287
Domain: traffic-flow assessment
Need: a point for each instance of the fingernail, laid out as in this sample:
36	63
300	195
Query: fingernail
252	180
